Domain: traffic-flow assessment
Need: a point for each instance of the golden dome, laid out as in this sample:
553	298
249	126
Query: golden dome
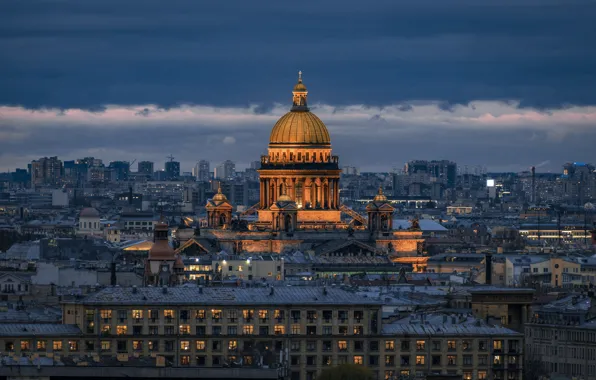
220	197
300	127
380	197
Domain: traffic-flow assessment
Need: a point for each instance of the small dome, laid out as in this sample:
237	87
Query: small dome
89	212
380	197
284	198
300	87
220	197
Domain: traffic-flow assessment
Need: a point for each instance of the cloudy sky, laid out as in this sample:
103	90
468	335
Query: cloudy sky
505	84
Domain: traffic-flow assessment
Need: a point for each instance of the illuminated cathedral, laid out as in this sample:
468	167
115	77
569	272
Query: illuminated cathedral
299	206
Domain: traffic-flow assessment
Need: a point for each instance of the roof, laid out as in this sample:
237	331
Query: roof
435	324
35	329
300	128
226	296
89	212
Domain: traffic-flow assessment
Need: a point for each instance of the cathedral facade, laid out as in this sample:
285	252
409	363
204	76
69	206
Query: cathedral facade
299	206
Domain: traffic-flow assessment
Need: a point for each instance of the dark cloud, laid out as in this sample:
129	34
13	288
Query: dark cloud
90	53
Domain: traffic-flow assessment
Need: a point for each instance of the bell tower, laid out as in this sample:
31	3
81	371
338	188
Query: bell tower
380	213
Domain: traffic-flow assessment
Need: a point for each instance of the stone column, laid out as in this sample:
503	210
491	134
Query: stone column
328	195
319	192
261	194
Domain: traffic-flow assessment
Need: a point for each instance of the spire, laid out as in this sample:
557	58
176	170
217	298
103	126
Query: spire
299	95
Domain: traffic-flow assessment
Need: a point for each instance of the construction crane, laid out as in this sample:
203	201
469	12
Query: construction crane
170	157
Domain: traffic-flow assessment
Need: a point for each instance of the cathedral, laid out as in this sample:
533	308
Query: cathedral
299	208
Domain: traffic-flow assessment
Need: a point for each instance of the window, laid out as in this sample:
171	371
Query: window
295	360
405	345
405	360
451	360
185	360
200	330
121	329
498	345
326	360
358	359
168	330
327	330
436	345
451	345
106	345
184	316
482	360
216	315
137	345
137	330
467	360
154	315
137	314
389	345
466	345
343	330
73	345
200	315
326	345
358	330
311	346
497	360
420	359
41	345
420	345
389	360
105	314
373	345
122	346
201	360
264	315
358	345
122	314
279	330
184	345
295	346
295	329
247	330
278	315
311	316
342	345
169	345
153	330
467	376
25	345
436	360
232	345
389	375
264	330
482	345
481	375
184	329
168	315
200	345
247	315
232	330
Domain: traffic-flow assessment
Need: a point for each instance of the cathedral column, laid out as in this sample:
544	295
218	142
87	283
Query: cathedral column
328	194
306	191
261	194
319	192
337	203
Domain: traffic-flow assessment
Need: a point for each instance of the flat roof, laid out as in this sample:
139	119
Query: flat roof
38	329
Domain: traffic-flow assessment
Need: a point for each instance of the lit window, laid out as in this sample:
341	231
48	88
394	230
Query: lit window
106	314
420	345
137	345
184	329
451	345
263	314
25	345
232	345
358	330
121	329
295	329
389	345
358	359
279	329
137	314
216	314
420	359
41	345
73	345
342	345
184	345
467	375
481	375
168	314
497	360
57	345
106	345
498	345
185	360
200	314
200	345
247	330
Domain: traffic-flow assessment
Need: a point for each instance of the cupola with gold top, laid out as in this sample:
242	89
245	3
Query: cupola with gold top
380	213
219	210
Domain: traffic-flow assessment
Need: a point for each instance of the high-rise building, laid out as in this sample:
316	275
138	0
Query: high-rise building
443	171
172	169
225	171
46	171
201	171
255	165
146	168
120	170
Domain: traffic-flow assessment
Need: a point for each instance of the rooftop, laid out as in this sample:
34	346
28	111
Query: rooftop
227	296
38	329
442	324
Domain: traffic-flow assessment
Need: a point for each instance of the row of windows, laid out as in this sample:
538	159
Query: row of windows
231	314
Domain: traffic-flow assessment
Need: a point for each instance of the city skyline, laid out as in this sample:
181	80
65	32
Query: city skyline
456	85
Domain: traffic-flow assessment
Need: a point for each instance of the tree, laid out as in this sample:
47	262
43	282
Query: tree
347	372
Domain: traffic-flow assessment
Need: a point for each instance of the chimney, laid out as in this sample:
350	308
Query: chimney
134	289
113	280
488	265
201	289
533	184
271	291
